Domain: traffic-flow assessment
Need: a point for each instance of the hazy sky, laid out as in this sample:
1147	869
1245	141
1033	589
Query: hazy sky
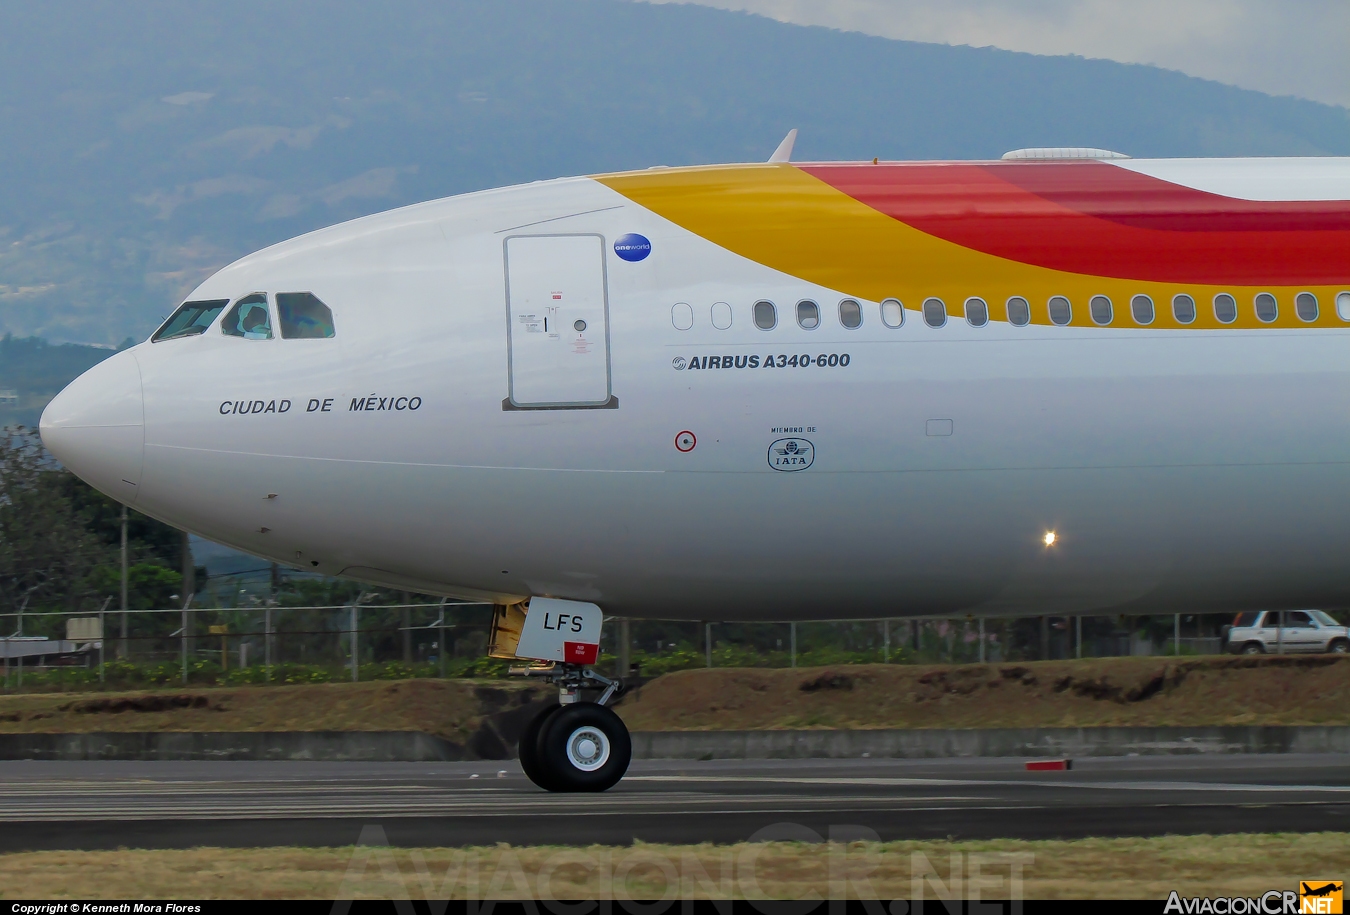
1284	47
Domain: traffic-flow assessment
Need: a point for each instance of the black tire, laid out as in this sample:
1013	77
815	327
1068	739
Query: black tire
1253	648
593	733
528	750
1340	646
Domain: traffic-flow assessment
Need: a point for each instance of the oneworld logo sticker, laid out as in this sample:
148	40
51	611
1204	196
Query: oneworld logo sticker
632	247
789	454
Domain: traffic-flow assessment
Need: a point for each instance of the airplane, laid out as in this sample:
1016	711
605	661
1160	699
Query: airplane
1061	382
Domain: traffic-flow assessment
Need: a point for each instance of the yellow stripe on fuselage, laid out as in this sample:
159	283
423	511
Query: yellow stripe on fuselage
783	218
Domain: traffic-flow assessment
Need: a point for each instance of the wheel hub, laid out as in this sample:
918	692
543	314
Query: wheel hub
587	749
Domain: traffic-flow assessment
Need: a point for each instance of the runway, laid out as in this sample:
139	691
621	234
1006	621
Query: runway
94	805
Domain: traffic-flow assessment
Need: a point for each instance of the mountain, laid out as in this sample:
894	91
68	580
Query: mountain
146	143
32	371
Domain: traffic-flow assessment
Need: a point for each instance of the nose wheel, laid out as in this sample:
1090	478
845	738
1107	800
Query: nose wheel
576	746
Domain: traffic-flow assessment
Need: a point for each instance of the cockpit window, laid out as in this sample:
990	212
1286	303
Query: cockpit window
304	317
190	319
248	318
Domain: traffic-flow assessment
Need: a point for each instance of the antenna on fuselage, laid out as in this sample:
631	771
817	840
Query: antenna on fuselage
784	151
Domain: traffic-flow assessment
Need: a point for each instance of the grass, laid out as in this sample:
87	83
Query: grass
1128	868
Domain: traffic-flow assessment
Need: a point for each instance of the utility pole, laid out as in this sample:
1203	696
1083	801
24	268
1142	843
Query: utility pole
122	648
407	627
188	590
440	638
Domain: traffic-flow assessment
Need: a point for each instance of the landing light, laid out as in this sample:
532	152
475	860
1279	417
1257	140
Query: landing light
1049	538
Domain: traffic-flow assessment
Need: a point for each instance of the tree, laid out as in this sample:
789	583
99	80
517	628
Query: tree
47	552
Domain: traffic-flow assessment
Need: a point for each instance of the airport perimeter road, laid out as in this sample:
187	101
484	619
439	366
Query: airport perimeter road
88	805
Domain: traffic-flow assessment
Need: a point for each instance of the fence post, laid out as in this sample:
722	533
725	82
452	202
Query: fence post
1078	631
123	649
103	640
886	642
624	648
267	643
355	647
707	643
793	638
981	640
1176	634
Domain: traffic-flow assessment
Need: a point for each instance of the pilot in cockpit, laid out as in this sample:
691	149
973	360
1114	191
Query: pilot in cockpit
254	323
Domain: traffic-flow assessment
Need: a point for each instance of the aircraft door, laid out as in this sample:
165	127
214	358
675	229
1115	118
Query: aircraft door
557	322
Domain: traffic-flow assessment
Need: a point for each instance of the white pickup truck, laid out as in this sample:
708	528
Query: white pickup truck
1260	632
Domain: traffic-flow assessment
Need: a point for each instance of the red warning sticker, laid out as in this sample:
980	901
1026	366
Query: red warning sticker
580	652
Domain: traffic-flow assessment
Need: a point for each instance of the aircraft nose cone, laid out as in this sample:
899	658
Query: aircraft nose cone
96	427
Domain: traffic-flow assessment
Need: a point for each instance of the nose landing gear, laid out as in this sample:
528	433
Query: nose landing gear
576	745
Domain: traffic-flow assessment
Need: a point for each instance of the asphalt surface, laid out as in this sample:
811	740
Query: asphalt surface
93	805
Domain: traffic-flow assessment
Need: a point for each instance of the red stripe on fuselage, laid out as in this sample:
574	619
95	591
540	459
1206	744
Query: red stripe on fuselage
1097	219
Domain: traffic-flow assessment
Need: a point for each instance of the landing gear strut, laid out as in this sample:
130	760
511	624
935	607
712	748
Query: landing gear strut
575	745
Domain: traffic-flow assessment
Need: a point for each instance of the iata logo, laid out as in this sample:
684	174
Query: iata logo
791	454
679	362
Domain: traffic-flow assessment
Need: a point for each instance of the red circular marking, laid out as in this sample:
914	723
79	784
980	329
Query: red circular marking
685	442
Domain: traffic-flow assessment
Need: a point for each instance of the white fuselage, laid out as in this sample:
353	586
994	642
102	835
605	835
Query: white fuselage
1190	470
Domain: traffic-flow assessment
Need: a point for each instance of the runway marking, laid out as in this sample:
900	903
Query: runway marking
915	782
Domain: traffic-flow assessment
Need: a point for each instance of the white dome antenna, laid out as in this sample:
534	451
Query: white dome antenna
1063	152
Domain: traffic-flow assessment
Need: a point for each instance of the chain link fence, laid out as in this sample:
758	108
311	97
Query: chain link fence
271	644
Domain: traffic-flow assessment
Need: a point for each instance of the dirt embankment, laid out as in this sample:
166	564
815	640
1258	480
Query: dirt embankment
1310	689
1108	691
464	712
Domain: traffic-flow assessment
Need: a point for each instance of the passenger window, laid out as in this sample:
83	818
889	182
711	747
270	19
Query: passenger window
850	314
1305	304
682	315
190	319
892	313
721	315
1266	307
1225	308
808	315
934	312
1343	306
1183	308
1244	620
1272	620
1019	311
1100	308
303	316
248	318
1060	311
766	315
1141	307
1297	619
977	312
